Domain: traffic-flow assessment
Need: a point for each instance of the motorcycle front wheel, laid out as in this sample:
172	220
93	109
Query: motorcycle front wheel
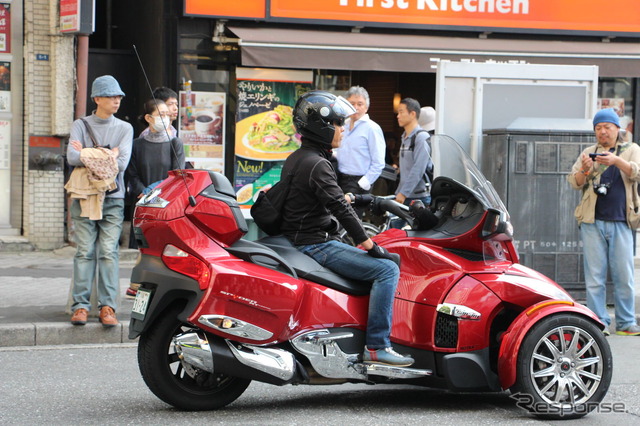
564	368
166	377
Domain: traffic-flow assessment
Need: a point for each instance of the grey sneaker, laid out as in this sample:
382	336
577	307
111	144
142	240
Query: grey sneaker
632	330
386	356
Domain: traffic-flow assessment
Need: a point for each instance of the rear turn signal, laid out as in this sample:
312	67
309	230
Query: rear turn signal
186	264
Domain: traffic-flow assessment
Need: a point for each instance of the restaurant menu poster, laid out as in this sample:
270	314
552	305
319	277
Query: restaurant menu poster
265	134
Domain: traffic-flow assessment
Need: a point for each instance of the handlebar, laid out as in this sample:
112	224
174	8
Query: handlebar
389	204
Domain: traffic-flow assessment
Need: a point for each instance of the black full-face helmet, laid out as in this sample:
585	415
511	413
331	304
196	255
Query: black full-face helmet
317	113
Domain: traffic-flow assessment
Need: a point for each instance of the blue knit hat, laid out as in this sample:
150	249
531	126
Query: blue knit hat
608	115
106	86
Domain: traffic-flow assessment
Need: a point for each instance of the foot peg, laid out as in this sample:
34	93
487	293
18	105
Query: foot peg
396	372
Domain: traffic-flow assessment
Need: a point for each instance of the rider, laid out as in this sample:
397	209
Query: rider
314	196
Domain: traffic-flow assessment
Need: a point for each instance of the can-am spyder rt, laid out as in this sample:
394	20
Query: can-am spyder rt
215	311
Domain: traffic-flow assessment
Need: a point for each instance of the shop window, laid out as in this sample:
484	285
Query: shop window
336	82
618	93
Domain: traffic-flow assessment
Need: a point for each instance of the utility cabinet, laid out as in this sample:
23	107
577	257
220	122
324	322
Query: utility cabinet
527	163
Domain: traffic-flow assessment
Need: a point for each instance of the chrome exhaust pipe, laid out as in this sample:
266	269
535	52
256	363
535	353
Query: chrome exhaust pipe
193	349
195	352
275	362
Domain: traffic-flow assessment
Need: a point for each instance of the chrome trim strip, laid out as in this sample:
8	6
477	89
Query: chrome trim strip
239	328
459	311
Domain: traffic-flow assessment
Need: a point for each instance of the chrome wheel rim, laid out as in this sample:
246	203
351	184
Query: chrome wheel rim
566	366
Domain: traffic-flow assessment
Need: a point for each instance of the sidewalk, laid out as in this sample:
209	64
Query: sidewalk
34	286
34	290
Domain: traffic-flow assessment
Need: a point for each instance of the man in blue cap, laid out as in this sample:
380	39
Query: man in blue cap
99	237
607	173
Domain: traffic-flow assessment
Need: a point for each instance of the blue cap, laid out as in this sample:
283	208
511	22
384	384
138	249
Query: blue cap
608	115
106	86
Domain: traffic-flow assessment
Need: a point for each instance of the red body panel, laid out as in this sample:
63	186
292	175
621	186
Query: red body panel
474	334
251	293
216	219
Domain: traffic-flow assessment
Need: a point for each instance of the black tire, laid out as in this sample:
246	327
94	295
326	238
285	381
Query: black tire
370	229
164	374
564	368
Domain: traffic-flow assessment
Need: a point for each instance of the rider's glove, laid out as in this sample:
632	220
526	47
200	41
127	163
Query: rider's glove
382	253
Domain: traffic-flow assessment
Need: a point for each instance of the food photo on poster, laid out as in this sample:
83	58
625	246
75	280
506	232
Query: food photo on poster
201	127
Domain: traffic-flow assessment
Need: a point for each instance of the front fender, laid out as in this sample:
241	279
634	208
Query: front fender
515	334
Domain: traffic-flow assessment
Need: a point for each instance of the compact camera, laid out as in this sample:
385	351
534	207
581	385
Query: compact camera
593	155
601	188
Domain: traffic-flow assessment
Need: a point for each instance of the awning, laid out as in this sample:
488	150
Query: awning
341	50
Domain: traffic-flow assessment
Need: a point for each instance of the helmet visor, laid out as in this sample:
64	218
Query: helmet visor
342	109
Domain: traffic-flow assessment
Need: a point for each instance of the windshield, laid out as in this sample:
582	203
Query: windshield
452	161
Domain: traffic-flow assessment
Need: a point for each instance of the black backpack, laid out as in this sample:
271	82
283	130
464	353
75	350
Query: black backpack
429	171
267	209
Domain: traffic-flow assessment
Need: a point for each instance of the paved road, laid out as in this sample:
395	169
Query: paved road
101	385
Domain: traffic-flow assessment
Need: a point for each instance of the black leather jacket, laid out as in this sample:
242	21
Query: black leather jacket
314	197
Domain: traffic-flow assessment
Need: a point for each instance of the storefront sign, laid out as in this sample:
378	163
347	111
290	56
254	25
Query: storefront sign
201	126
77	16
265	134
5	28
550	16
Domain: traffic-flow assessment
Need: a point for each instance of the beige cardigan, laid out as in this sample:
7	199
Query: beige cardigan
586	209
89	184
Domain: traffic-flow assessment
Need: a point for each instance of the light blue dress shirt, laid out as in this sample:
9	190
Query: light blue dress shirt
362	150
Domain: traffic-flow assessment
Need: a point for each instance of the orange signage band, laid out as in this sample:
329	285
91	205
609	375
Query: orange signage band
224	8
44	141
584	16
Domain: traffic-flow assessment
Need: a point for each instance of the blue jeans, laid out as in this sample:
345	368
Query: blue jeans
104	236
400	223
609	246
354	263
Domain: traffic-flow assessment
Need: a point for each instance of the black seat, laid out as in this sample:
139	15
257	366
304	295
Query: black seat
278	253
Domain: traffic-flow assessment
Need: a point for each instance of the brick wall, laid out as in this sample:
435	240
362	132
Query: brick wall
48	110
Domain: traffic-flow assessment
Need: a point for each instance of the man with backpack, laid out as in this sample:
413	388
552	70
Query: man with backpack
415	156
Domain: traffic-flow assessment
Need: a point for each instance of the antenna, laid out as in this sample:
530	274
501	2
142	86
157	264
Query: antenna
192	199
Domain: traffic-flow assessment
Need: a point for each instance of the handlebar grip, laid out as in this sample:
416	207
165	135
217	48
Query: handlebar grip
384	204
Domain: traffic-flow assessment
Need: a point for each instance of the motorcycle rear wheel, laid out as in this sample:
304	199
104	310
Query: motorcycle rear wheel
564	368
165	376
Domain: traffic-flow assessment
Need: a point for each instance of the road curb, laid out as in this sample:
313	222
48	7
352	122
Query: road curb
62	333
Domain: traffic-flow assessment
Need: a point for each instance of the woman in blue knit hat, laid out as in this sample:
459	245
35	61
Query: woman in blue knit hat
607	173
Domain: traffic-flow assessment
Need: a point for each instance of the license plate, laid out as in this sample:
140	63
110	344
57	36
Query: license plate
140	304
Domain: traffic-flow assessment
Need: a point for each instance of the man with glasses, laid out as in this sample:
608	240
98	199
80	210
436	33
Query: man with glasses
97	240
607	173
361	153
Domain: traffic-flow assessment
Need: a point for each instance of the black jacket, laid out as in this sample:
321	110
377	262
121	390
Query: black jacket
314	196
